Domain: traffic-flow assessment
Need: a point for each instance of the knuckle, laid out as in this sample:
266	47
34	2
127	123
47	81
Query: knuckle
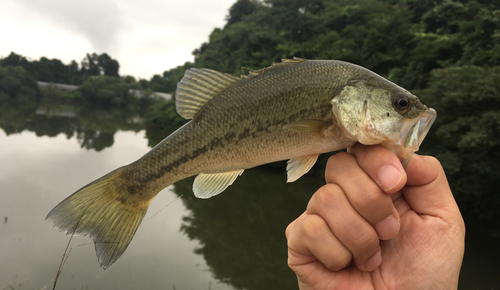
289	229
313	226
342	259
433	160
338	158
328	195
365	239
370	200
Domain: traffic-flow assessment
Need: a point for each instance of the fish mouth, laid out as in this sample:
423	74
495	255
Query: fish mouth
412	133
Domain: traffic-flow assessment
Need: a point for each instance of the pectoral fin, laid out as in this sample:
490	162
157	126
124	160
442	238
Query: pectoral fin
308	126
297	167
207	185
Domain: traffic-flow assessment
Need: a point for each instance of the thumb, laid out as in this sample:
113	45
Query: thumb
427	190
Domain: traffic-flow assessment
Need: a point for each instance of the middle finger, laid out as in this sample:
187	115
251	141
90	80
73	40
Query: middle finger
352	230
365	196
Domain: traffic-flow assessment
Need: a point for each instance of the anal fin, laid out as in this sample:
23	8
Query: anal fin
207	185
299	166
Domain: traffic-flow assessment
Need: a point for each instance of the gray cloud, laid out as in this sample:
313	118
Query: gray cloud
100	22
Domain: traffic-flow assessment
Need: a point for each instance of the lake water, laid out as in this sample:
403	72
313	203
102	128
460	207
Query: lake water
232	241
37	173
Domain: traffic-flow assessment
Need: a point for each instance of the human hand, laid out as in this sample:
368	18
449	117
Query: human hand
377	225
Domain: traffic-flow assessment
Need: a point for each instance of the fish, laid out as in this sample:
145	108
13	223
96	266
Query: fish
292	110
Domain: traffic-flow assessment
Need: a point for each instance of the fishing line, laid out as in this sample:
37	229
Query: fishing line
162	208
66	253
68	250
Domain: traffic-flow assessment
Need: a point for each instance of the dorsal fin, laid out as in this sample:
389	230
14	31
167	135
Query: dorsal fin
197	87
273	66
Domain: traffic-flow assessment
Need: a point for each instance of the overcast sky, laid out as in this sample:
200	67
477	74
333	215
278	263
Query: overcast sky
146	37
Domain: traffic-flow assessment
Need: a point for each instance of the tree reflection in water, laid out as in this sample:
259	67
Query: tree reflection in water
93	124
242	231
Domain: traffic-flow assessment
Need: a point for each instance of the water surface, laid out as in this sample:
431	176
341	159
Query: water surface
37	173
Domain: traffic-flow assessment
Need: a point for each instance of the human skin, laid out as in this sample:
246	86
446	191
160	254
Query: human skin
377	225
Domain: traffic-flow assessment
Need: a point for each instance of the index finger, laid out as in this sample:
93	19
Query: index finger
381	165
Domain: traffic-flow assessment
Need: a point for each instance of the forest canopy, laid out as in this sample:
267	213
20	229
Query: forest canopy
400	39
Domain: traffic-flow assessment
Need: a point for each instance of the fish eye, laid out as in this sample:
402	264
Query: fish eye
402	103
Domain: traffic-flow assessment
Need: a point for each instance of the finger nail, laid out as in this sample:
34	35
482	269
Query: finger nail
387	228
388	177
373	262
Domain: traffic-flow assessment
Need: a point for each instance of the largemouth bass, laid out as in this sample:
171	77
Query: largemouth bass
295	110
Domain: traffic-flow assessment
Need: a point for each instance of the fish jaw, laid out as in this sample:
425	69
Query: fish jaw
412	134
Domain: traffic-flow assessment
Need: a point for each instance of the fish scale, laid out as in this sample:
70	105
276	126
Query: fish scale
295	110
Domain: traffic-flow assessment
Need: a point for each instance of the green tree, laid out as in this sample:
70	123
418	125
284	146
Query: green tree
74	73
108	91
159	84
17	84
465	135
14	60
18	98
107	65
90	65
240	9
51	70
161	121
95	65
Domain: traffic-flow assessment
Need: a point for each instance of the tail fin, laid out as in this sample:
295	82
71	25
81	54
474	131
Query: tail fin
103	211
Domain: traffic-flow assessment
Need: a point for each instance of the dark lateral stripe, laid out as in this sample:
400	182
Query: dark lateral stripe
217	142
